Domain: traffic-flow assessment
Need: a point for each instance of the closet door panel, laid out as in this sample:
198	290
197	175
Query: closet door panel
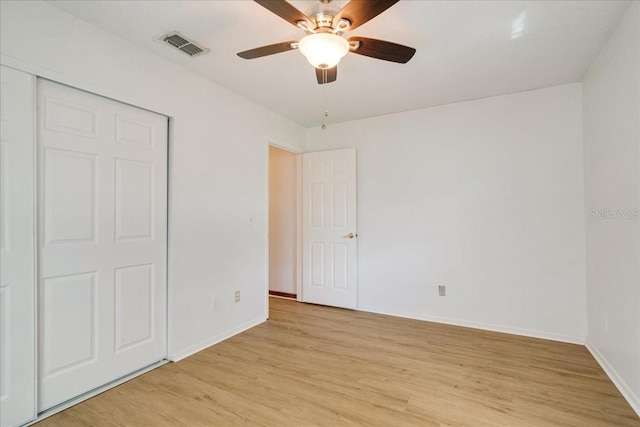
103	224
17	248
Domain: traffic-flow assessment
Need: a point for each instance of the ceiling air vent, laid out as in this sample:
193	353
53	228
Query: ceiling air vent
183	44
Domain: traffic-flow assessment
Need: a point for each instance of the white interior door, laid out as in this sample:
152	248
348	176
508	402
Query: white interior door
102	237
17	241
329	248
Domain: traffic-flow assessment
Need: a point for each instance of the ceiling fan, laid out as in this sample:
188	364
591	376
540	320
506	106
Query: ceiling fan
324	45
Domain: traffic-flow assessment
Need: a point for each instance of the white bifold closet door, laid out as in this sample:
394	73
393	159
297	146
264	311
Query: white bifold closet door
102	240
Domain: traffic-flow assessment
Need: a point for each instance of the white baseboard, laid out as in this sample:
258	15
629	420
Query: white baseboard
571	339
215	340
617	380
281	297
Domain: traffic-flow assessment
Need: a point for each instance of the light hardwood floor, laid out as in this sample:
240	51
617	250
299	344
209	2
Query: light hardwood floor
313	365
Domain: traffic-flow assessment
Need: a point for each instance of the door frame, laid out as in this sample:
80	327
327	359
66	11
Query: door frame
270	142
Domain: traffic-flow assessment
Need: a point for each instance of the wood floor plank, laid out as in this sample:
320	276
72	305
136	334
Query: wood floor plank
323	366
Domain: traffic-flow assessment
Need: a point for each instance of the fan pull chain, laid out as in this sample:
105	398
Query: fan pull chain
324	101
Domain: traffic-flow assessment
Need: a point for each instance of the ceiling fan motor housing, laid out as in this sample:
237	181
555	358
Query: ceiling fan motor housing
322	15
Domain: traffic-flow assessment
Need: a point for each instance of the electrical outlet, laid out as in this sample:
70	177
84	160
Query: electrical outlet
442	290
237	296
215	305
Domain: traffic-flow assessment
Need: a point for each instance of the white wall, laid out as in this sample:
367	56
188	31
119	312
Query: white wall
283	224
485	197
612	182
219	164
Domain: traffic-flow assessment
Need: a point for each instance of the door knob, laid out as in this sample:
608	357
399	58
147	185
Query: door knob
349	236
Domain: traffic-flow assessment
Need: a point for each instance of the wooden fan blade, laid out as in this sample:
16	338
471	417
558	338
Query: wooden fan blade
326	75
267	50
359	12
381	49
285	11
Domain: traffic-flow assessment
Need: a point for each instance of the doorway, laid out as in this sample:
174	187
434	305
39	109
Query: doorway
284	226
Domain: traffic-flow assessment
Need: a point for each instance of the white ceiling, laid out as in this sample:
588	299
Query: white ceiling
465	50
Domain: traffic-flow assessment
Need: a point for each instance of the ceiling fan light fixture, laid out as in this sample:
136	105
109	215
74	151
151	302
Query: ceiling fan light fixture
323	50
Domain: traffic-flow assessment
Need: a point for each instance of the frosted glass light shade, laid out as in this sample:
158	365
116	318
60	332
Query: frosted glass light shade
323	50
